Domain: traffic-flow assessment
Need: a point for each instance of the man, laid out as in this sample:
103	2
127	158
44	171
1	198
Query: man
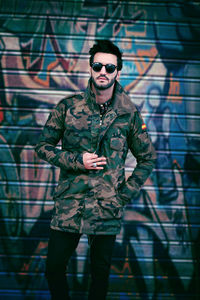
97	128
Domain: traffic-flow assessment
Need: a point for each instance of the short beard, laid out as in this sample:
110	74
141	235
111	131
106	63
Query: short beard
103	87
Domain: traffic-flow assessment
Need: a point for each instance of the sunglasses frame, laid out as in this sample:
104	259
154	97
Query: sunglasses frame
102	65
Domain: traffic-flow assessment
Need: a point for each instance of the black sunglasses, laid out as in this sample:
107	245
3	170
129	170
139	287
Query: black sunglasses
110	68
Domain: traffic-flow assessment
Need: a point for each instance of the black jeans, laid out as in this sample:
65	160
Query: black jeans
60	249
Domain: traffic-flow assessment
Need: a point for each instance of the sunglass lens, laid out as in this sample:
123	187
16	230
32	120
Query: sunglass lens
97	67
110	68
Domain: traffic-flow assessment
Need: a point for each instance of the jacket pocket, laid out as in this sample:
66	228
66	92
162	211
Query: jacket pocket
117	143
61	188
110	209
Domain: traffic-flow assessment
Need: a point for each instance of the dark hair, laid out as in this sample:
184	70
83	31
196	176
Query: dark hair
106	46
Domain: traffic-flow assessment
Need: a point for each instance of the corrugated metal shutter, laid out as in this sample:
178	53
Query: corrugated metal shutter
44	56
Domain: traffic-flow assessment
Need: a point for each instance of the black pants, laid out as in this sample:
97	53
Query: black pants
60	249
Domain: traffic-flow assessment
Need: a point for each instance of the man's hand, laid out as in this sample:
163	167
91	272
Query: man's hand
91	161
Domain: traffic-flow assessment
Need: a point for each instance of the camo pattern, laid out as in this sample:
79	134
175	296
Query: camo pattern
91	201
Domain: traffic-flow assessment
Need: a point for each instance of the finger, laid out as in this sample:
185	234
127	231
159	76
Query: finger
99	162
97	168
99	159
97	165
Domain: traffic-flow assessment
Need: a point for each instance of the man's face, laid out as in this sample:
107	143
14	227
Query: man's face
102	79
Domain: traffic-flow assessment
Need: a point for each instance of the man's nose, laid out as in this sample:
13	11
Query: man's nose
103	70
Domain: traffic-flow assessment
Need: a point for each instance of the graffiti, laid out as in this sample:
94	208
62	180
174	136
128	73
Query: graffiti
44	57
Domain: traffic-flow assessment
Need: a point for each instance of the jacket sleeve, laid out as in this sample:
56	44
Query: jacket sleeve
51	135
141	147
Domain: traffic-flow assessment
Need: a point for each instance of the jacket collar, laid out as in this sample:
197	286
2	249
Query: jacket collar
120	100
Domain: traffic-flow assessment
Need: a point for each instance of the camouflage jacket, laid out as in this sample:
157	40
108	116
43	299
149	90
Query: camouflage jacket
91	201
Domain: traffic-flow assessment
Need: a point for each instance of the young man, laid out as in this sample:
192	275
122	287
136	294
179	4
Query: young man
97	128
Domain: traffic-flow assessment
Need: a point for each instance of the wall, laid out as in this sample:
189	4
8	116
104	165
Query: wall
44	57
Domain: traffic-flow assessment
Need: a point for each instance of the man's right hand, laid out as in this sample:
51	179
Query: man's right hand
91	161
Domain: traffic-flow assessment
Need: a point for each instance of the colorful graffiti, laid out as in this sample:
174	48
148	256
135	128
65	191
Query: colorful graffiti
44	56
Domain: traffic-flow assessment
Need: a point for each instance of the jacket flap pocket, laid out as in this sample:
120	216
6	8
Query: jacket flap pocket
61	188
117	143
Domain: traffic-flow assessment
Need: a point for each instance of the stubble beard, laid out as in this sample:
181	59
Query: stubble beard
103	87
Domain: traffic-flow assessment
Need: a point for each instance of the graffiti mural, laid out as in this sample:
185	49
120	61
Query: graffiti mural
44	56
